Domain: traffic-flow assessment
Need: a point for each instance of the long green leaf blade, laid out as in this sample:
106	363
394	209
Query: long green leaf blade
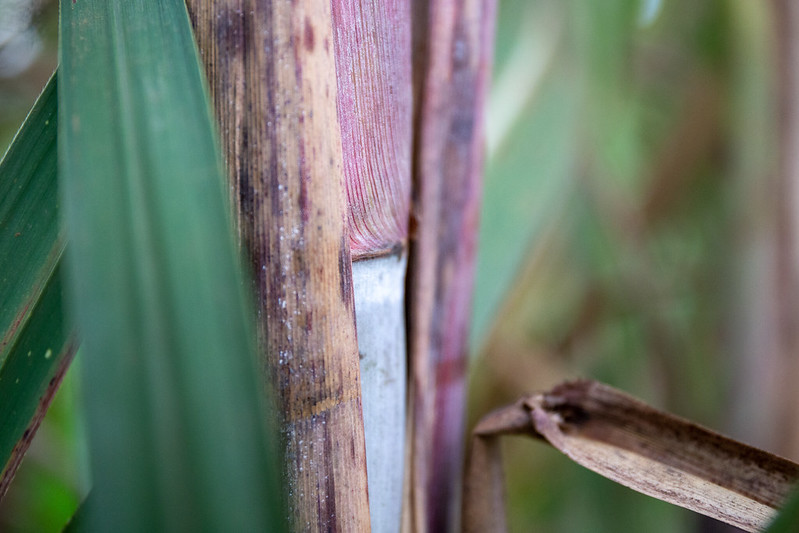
29	244
34	348
176	433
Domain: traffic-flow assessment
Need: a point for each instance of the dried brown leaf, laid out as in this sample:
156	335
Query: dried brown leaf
629	442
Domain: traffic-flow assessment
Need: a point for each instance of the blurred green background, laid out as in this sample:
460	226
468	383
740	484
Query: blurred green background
634	230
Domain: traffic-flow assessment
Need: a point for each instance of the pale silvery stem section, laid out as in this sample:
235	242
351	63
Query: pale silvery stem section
379	286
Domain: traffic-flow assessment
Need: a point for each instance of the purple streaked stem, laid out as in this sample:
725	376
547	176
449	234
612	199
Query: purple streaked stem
456	53
373	62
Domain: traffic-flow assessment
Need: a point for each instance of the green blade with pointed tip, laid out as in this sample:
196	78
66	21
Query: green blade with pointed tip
178	437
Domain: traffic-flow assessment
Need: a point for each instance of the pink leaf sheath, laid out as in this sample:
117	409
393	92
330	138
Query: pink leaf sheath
373	63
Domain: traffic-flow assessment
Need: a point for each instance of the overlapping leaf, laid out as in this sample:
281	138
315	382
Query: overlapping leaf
176	427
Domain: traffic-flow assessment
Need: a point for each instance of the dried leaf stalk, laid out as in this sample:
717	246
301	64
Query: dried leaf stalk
272	74
625	440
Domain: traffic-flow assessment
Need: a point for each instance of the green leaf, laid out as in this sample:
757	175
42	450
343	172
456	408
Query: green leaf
35	348
788	518
178	437
28	217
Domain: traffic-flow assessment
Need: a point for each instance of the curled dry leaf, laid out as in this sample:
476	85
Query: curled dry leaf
629	442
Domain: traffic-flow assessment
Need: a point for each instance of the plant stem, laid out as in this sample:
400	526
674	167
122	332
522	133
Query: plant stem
373	64
452	62
380	306
272	76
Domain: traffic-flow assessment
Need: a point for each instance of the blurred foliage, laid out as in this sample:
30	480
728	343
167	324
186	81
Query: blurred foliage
29	27
788	517
53	477
630	144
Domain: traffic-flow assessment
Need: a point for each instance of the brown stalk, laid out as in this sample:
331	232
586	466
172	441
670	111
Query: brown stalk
272	75
452	60
625	440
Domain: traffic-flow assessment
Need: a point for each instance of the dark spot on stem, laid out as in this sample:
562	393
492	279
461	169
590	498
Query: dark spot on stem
330	478
345	272
308	38
229	29
305	178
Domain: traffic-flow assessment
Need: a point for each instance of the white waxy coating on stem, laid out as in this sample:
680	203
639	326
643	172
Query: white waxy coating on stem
379	285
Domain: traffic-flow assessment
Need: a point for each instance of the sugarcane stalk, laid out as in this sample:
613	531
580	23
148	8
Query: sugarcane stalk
379	285
272	74
762	339
373	62
452	65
